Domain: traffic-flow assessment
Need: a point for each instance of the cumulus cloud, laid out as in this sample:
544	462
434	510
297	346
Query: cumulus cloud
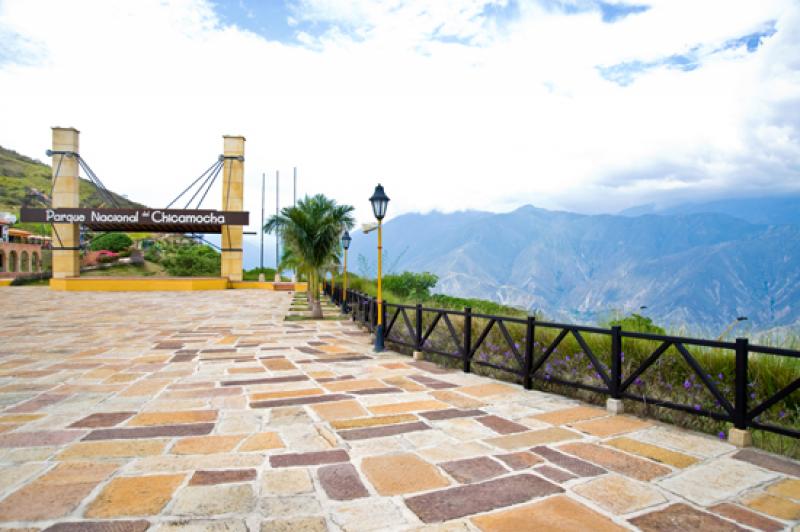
481	104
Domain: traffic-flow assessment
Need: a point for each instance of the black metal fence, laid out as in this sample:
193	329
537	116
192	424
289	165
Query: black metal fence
510	345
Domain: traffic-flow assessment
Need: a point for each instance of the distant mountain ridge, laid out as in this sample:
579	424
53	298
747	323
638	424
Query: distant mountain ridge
695	271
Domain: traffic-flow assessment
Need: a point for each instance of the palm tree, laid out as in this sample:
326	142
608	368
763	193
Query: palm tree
310	232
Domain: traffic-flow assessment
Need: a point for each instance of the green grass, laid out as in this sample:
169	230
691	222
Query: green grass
149	269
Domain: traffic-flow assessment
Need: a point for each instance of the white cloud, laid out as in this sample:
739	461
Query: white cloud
446	106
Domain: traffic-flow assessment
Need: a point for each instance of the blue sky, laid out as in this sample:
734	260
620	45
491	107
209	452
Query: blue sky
585	105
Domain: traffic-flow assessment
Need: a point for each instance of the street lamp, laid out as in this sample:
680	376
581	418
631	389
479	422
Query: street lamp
379	202
346	239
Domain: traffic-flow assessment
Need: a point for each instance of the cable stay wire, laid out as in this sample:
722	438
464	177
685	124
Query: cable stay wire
204	174
210	184
205	186
104	192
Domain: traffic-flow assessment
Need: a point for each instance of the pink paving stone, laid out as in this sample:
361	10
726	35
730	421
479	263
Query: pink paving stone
102	419
682	517
312	458
746	517
190	429
100	526
473	469
451	413
38	403
519	460
773	463
341	482
39	438
453	503
553	473
570	463
384	430
501	425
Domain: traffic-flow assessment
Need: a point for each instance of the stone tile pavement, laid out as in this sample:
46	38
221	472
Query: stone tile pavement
207	411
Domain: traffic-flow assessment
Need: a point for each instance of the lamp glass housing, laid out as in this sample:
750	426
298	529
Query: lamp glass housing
379	202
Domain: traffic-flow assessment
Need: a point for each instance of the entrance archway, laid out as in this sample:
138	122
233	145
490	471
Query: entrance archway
24	263
12	262
66	215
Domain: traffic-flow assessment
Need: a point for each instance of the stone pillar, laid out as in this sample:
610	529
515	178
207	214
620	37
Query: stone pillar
232	200
66	194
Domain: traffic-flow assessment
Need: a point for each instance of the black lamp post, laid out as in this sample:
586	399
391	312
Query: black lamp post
379	202
346	239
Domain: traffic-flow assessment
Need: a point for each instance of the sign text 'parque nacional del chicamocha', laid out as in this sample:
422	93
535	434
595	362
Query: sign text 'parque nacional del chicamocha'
140	220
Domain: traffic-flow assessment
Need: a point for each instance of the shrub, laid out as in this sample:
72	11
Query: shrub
410	285
638	323
115	242
192	260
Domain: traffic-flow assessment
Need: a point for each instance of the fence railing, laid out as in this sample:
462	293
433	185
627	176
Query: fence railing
529	349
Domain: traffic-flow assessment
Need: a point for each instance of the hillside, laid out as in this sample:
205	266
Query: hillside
25	181
695	272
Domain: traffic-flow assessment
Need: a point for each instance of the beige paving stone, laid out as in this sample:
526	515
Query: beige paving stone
297	505
536	437
403	383
298	524
286	394
692	443
571	415
20	418
714	482
353	384
213	500
653	452
262	442
779	507
620	495
554	514
411	406
206	444
456	452
368	514
375	421
129	496
170	463
789	488
488	390
13	475
113	449
285	482
401	473
339	410
203	525
173	418
457	399
610	426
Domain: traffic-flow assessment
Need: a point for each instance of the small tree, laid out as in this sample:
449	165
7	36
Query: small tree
115	242
311	231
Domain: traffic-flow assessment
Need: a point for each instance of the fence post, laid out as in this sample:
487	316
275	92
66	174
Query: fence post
740	404
467	339
418	328
616	362
739	435
530	332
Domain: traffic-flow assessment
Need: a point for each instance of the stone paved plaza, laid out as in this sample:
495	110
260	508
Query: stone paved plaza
207	411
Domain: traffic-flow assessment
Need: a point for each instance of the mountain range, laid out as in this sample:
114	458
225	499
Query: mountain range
693	267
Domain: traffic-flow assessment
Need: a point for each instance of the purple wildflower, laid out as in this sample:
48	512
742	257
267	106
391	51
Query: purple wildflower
721	435
687	384
697	407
